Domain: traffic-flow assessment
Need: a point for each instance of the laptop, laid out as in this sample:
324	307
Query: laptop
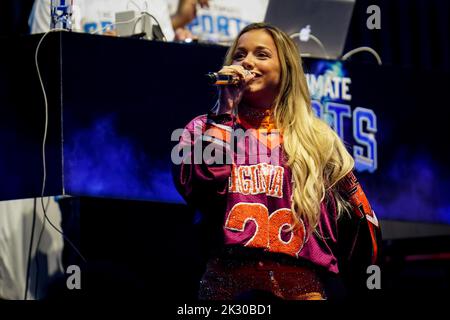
137	24
318	27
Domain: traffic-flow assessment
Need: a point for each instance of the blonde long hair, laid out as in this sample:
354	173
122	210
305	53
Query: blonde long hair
316	156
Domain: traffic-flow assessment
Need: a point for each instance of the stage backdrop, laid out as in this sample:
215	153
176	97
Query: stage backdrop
114	104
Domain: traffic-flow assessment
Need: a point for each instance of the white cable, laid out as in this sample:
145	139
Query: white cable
139	8
157	22
44	140
134	3
136	19
361	49
115	24
313	37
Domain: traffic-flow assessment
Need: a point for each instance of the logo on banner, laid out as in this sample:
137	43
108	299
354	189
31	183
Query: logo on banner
330	92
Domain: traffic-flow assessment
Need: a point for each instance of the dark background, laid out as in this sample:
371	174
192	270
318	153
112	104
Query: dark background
14	17
414	35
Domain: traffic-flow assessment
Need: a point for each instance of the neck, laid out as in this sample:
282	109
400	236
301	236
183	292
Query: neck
255	117
255	103
256	108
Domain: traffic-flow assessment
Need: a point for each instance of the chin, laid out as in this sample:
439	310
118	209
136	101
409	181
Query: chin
253	88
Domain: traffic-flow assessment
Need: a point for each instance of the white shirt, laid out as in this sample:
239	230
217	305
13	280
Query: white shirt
16	221
224	19
94	15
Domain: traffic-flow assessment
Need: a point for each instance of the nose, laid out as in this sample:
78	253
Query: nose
248	63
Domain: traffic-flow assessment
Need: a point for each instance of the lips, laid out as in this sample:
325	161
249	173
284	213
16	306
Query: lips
256	77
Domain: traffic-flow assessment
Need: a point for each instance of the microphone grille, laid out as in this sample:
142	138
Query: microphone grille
211	77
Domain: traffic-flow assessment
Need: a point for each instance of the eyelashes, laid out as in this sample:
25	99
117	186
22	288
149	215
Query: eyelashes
259	55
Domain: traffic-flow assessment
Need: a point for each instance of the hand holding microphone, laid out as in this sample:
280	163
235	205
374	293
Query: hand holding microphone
232	82
230	75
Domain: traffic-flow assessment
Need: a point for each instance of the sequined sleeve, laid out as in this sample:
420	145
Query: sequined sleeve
202	176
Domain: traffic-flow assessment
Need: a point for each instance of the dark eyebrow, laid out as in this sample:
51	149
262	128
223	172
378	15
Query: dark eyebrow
240	49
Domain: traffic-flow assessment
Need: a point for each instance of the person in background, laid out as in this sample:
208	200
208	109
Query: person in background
283	213
183	12
29	248
94	16
220	21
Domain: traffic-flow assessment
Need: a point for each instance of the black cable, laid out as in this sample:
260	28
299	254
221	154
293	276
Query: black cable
46	218
29	250
159	25
153	17
60	232
37	247
44	209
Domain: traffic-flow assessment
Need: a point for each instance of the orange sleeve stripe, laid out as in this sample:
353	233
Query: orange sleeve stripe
361	207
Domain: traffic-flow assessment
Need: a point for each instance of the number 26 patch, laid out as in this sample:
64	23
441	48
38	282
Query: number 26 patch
273	231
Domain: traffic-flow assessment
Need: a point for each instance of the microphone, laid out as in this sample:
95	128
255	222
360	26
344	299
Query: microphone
217	79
